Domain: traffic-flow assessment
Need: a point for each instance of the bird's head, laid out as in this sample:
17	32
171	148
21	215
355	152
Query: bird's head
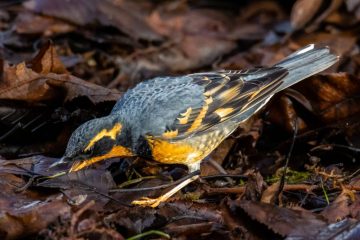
94	141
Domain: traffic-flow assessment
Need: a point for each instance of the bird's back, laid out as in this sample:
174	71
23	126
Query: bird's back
153	106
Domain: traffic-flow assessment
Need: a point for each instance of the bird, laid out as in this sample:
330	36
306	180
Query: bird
182	119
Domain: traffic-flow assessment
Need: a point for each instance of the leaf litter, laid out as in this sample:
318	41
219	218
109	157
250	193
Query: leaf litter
99	49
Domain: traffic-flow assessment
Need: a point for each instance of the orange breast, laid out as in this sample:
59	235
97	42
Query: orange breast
178	152
189	150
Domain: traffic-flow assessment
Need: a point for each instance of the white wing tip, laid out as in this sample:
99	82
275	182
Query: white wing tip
306	49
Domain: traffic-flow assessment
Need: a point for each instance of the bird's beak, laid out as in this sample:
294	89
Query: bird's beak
80	165
62	161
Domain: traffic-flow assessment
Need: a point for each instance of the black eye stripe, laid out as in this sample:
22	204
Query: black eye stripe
100	147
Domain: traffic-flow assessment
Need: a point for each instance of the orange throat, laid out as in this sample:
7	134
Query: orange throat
116	151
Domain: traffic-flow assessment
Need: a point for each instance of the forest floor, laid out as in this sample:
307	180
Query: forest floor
292	171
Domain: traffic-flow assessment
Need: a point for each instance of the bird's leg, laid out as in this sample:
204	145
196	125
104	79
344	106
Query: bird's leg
219	168
154	202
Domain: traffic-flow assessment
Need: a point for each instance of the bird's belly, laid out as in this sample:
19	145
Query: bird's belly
189	150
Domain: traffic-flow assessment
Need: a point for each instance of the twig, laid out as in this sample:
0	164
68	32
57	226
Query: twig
324	191
151	232
287	187
219	168
331	146
156	187
76	215
235	190
283	177
8	4
225	175
26	185
133	181
191	229
316	130
149	50
353	174
90	188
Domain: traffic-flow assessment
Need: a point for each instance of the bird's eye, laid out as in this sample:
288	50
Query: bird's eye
89	151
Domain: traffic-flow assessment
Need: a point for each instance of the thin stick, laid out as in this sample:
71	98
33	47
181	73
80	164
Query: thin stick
218	167
241	190
283	177
26	185
324	191
225	175
151	232
156	187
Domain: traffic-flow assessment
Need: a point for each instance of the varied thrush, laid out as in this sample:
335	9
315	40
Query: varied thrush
180	120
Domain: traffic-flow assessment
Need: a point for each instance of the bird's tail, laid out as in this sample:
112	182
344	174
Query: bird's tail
306	62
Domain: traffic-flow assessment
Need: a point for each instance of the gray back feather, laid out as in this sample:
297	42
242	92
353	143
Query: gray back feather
152	106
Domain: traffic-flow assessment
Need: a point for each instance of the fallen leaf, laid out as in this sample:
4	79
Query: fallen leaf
282	112
123	15
26	213
268	196
88	179
28	23
47	81
333	96
47	61
339	209
284	221
193	51
302	12
353	6
254	186
36	99
333	6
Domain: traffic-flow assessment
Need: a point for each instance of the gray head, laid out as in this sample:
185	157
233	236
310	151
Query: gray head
96	140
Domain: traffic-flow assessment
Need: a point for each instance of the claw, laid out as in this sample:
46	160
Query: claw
154	202
148	202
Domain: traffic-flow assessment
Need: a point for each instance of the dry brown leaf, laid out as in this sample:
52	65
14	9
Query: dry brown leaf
124	15
282	112
254	186
28	23
269	193
258	8
334	96
205	22
26	213
339	209
303	11
47	61
190	21
333	6
26	166
192	52
284	221
353	6
47	80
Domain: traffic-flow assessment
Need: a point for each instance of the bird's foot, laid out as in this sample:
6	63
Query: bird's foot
154	202
149	202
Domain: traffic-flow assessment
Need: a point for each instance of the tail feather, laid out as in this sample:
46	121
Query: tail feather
304	63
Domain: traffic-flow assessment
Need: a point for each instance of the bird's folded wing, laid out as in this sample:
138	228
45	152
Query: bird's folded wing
227	94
